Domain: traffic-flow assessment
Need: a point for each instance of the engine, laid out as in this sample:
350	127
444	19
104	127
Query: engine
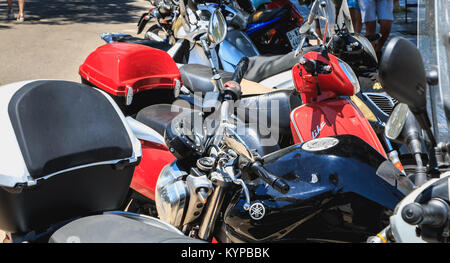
181	197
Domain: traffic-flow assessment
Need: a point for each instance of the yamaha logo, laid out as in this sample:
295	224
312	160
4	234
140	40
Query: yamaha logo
257	211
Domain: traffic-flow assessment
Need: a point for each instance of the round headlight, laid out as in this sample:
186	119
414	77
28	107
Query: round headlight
350	75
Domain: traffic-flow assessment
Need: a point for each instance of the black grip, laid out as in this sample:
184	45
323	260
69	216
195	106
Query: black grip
435	213
269	178
309	65
373	37
241	69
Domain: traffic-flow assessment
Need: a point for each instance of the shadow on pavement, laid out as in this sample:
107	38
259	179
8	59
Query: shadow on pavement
59	12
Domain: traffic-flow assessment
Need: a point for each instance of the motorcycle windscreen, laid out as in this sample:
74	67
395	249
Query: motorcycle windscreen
331	118
235	46
337	13
434	46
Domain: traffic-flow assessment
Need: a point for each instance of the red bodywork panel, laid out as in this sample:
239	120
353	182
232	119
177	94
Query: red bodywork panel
115	67
330	118
154	158
331	85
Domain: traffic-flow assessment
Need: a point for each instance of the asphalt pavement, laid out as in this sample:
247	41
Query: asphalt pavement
57	35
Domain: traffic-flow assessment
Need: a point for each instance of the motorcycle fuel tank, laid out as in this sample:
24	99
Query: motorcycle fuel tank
316	171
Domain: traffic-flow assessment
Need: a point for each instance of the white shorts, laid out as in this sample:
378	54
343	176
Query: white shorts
371	9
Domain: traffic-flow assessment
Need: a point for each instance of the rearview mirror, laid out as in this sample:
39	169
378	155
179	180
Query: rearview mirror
217	29
396	122
313	12
403	74
306	27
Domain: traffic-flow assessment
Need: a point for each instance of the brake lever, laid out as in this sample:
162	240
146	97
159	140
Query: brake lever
230	172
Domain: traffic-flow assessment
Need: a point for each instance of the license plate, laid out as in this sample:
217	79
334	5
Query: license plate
294	37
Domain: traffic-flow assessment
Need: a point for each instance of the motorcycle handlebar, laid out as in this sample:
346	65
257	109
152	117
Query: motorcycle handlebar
241	69
374	37
435	213
309	65
269	178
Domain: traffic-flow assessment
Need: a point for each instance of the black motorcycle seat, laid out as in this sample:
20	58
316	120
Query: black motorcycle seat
269	14
264	104
112	228
158	116
263	67
197	77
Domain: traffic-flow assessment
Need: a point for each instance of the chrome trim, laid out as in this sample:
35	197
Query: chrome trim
171	195
376	98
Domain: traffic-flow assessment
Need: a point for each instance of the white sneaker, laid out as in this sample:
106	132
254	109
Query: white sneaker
20	19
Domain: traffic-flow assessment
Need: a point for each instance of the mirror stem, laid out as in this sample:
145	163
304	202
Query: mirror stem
424	122
216	75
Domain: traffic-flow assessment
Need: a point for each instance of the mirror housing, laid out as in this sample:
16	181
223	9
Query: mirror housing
313	12
403	74
217	29
306	27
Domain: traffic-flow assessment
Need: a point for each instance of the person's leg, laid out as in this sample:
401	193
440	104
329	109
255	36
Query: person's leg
368	15
355	13
10	15
9	6
385	16
356	19
385	30
21	6
20	17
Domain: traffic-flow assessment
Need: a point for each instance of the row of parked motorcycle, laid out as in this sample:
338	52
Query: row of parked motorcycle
230	121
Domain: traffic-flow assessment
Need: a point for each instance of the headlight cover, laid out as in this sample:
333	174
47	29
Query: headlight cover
172	195
350	75
367	46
